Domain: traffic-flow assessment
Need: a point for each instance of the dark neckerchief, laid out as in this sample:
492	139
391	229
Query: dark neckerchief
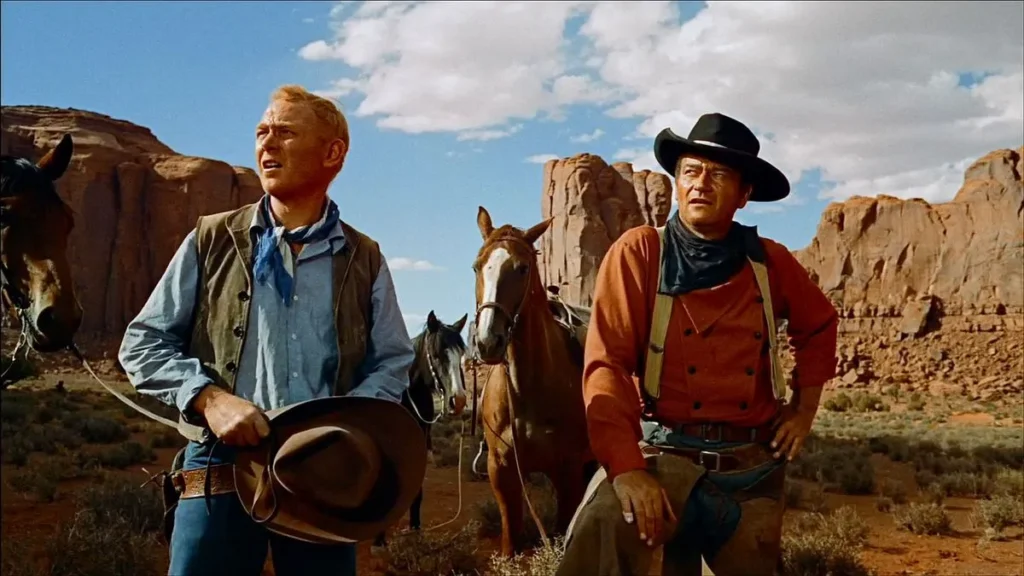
692	263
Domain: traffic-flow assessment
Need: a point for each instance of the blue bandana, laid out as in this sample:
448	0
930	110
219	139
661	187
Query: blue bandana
268	259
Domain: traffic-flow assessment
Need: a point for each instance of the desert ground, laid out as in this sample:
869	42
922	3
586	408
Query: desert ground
894	482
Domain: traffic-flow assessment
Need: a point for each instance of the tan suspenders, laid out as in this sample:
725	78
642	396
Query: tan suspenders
659	328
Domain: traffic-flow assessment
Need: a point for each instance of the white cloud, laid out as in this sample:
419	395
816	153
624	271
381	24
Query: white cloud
585	138
485	135
541	158
402	263
866	92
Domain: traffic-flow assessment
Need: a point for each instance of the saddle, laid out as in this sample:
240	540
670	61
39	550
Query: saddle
575	319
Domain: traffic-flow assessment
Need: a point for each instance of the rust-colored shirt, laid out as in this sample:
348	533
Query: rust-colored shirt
716	366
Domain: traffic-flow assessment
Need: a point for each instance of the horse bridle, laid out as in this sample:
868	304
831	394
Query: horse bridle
436	388
513	316
21	303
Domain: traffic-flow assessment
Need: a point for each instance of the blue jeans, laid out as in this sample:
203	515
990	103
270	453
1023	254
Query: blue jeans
226	542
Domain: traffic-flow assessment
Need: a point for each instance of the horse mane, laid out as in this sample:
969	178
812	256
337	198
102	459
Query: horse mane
17	173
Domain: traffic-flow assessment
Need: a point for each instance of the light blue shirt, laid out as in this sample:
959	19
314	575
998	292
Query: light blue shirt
290	353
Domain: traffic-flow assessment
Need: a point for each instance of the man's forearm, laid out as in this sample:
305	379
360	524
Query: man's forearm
806	399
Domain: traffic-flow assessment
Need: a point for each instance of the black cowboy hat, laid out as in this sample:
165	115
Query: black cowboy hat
720	138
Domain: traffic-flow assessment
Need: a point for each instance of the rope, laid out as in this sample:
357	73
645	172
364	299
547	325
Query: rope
458	511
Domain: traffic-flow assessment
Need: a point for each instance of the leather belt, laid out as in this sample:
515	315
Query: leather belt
726	433
192	483
731	460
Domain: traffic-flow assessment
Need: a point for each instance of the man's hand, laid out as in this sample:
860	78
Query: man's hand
645	502
234	420
793	424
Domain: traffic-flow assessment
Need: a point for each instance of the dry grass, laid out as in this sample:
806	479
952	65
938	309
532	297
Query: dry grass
994	516
542	562
820	544
923	519
425	553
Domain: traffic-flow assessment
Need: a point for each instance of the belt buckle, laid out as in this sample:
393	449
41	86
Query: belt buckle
718	460
704	432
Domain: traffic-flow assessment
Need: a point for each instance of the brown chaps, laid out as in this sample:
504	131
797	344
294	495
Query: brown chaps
599	542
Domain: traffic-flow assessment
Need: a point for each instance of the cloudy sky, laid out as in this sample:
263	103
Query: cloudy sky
456	105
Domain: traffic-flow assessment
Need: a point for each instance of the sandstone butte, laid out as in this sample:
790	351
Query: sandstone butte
879	259
134	201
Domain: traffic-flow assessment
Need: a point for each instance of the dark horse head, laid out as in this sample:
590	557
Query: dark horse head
437	369
35	225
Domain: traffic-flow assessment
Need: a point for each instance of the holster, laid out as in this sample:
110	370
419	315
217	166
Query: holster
171	493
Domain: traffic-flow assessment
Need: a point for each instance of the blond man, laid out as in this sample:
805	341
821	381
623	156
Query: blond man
264	306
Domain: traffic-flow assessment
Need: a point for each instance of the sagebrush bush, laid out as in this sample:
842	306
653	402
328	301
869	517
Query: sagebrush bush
543	562
433	553
999	513
819	544
925	519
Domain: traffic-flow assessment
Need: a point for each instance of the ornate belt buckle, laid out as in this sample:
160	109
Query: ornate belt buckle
717	459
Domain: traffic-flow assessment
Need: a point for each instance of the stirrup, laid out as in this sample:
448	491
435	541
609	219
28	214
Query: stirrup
476	459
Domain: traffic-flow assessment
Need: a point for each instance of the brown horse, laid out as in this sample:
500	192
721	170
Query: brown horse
532	405
35	225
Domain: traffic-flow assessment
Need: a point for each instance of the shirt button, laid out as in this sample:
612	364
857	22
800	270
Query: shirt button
757	335
696	405
294	337
743	405
759	300
238	331
295	298
750	371
692	369
243	295
230	366
687	332
295	374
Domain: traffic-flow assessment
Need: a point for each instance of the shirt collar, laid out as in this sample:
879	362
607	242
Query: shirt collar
336	237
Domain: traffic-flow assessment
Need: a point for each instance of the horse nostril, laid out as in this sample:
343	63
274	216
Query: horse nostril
46	321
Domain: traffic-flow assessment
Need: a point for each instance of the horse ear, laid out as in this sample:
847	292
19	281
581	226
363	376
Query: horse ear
483	221
432	322
461	323
56	161
534	233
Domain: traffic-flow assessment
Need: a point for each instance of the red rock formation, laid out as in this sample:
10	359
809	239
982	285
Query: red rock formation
592	204
875	257
134	200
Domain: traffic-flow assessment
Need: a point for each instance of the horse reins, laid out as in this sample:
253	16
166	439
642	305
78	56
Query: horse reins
21	304
514	321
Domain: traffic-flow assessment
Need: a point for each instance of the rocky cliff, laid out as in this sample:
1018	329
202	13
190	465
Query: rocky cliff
912	264
134	201
592	204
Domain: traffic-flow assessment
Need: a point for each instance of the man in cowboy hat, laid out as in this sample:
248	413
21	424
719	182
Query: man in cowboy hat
279	305
685	398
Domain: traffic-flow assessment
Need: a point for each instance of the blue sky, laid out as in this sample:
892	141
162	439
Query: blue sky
199	74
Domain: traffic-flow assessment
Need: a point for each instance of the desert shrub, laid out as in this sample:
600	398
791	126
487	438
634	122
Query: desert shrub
998	513
16	407
15	450
16	558
893	490
869	403
89	546
167	439
825	545
915	403
897	448
1009	482
40	483
836	462
446	452
966	484
543	562
96	429
927	518
814	499
119	457
141	508
427	553
884	504
841	402
22	368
